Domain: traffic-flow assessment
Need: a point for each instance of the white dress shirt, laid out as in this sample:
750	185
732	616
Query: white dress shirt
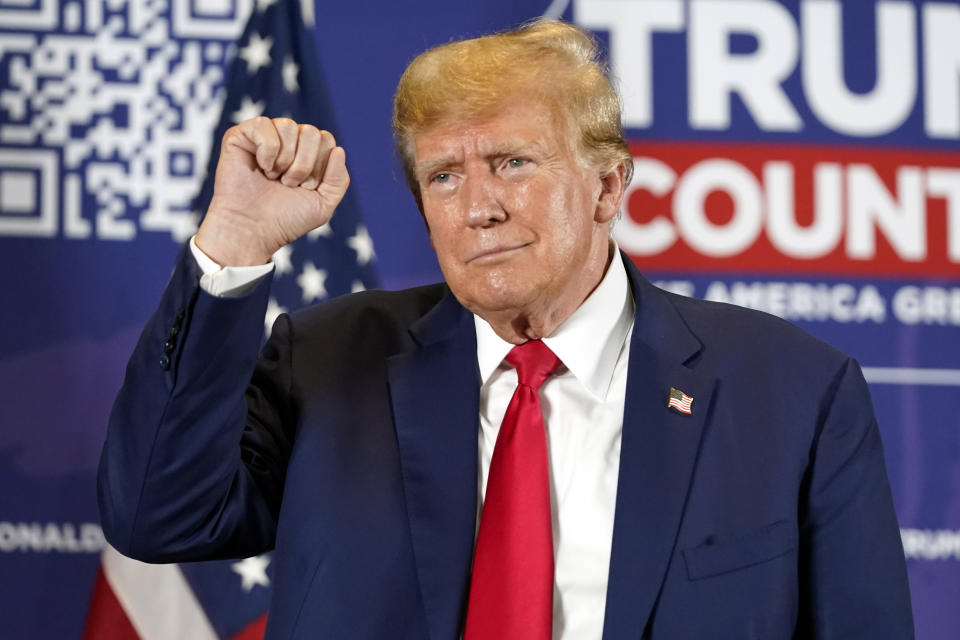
583	412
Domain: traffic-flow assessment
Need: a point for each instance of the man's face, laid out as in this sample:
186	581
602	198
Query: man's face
517	223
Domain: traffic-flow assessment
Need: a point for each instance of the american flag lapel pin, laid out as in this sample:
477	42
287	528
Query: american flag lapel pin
680	401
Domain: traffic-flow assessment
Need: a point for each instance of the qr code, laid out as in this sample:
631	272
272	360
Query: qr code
106	113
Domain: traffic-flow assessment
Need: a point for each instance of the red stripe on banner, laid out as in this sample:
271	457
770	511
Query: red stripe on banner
106	619
254	631
789	208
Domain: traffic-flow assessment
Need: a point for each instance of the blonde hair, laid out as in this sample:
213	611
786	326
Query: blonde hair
547	60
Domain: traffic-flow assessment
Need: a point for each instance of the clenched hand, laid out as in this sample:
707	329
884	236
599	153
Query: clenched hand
276	180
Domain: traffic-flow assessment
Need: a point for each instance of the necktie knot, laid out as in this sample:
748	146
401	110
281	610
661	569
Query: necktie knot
534	362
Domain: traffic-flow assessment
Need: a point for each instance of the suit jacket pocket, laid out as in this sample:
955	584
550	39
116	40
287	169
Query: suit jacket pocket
761	545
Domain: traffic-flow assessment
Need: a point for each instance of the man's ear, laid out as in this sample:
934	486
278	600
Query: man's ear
612	185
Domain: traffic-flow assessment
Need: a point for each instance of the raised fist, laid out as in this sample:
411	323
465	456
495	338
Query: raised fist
276	180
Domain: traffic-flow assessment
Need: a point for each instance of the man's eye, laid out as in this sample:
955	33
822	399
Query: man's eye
441	178
515	163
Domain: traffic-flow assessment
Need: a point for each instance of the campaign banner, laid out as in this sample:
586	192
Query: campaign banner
802	158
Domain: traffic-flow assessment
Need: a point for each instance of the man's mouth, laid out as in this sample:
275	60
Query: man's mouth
495	254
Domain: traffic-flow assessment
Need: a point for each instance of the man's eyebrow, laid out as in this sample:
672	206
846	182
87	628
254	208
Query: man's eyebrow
509	148
427	167
514	147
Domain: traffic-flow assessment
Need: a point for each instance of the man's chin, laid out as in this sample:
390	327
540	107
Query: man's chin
494	303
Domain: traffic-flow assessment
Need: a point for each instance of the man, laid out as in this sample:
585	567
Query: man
641	465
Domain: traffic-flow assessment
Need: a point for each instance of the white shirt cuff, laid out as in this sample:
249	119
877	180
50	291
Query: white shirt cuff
227	282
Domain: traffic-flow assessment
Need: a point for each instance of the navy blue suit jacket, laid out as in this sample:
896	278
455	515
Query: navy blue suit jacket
766	514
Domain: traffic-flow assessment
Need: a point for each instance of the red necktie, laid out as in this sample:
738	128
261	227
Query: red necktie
511	587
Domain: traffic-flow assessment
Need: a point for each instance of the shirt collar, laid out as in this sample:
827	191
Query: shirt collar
606	314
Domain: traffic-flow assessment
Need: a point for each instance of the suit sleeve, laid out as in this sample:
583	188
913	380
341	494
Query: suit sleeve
852	571
194	460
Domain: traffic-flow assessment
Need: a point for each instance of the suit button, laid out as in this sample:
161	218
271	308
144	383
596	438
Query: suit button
180	316
168	347
164	362
174	332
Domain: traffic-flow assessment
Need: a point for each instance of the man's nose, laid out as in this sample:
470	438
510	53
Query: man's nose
484	198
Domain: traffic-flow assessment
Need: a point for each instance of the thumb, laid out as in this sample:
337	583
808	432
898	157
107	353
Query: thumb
335	179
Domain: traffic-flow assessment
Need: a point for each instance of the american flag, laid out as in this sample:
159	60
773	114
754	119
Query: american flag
275	73
680	401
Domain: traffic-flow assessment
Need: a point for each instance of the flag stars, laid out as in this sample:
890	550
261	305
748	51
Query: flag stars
362	243
323	231
312	282
253	572
248	109
290	72
257	52
273	312
282	261
357	287
263	5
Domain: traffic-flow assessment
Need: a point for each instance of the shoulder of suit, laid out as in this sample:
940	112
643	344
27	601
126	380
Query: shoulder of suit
369	312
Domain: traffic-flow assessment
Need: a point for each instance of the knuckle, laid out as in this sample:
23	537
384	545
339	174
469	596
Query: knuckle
231	134
286	152
309	130
311	139
286	127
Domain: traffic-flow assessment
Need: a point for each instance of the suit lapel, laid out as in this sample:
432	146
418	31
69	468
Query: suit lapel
657	455
434	390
